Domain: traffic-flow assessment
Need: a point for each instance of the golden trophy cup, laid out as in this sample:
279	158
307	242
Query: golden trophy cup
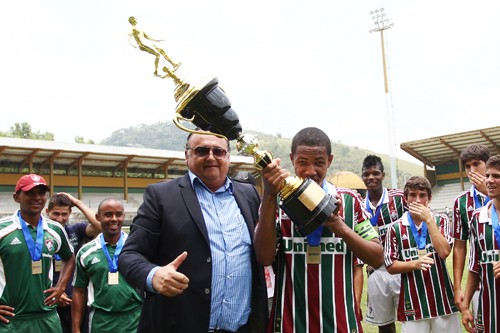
207	106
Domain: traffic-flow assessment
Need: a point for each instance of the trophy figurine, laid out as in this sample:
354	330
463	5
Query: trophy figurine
207	106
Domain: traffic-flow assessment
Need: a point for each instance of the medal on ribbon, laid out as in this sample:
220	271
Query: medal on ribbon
374	218
420	238
112	262
34	247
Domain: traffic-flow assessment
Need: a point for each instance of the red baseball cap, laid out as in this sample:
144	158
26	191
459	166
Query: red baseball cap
27	182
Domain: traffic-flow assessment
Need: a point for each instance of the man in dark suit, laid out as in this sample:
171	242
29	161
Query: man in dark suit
190	249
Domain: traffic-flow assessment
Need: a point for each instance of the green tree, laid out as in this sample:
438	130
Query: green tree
23	130
81	139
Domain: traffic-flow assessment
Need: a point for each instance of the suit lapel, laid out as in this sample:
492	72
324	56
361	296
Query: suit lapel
193	205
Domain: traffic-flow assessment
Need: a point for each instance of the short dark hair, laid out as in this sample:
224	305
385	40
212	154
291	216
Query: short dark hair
418	183
59	200
475	152
372	161
311	137
110	199
493	162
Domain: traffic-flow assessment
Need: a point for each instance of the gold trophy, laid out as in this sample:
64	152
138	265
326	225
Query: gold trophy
207	107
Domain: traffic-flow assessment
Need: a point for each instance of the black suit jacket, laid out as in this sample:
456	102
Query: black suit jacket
169	222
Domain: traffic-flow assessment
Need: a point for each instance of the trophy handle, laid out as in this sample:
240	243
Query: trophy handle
177	118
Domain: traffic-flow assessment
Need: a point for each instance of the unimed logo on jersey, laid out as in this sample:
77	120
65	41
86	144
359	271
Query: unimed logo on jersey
331	245
490	256
410	254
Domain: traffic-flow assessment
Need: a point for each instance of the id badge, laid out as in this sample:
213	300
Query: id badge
313	255
36	267
112	278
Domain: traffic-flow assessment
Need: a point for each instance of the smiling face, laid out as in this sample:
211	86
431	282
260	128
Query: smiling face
311	162
373	178
59	214
212	171
32	202
493	182
111	215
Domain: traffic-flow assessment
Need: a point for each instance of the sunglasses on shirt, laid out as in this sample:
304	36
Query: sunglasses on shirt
219	153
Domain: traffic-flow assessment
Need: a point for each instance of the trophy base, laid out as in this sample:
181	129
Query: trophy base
308	207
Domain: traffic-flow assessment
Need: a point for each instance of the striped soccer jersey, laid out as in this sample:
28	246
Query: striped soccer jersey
316	298
393	205
484	250
463	208
424	294
19	287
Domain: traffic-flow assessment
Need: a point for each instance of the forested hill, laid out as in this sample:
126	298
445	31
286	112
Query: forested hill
165	135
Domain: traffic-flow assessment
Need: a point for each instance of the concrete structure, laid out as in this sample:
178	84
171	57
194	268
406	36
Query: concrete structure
441	158
94	171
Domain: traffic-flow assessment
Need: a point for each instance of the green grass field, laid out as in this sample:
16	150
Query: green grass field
368	328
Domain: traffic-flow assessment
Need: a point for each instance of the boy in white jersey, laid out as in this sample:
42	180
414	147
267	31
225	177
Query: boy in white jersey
385	206
484	259
416	247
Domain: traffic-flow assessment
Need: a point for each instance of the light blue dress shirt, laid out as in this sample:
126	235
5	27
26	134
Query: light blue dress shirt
231	250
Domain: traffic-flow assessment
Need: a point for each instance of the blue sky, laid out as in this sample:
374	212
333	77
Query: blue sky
66	66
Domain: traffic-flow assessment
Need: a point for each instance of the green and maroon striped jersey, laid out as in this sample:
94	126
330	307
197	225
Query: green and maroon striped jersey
423	294
463	208
393	205
484	251
316	298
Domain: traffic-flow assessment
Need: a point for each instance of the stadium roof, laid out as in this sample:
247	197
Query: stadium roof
38	153
446	148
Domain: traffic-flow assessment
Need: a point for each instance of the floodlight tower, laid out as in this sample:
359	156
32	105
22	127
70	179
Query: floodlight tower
382	23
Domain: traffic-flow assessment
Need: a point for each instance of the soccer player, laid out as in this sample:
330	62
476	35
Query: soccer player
314	290
416	247
484	259
385	206
59	210
116	306
474	159
28	241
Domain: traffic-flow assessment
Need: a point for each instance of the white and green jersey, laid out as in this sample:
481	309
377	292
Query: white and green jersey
315	298
19	287
424	294
92	273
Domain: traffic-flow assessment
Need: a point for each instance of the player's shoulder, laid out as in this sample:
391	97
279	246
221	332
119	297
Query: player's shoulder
56	226
461	195
395	192
347	192
89	247
7	226
6	221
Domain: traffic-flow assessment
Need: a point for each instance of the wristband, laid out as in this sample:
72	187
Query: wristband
365	230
